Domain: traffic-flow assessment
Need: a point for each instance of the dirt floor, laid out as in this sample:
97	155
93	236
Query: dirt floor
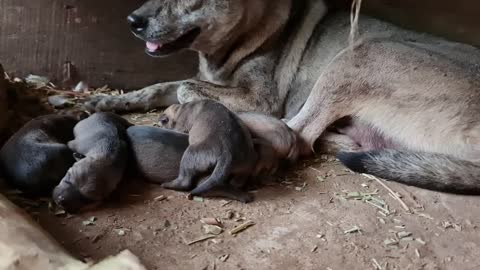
316	216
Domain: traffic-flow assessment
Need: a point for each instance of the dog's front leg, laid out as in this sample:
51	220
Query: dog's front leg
148	98
237	99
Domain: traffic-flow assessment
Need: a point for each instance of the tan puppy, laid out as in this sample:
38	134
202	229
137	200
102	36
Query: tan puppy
219	145
274	141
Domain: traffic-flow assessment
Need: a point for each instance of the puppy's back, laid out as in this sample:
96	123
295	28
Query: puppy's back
157	152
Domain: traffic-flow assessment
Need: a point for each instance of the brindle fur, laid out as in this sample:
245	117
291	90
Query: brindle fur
219	145
37	157
101	146
286	58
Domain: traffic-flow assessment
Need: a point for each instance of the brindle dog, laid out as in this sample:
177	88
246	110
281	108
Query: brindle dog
289	58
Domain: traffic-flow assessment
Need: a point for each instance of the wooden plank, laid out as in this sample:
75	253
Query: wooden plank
40	37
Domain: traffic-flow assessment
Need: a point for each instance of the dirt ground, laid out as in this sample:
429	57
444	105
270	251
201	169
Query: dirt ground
316	216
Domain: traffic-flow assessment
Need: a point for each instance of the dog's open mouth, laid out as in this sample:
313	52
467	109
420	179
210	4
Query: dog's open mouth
162	49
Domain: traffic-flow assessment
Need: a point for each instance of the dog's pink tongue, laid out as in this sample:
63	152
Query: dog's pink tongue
152	47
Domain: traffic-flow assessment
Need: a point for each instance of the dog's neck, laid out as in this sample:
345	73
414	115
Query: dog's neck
262	22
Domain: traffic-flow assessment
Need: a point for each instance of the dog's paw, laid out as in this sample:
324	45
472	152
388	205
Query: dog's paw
92	103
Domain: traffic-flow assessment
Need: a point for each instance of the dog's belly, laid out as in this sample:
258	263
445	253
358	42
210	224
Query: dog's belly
366	136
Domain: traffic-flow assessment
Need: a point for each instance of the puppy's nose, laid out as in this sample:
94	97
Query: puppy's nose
137	23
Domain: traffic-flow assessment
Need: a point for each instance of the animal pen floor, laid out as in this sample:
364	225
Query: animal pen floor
316	216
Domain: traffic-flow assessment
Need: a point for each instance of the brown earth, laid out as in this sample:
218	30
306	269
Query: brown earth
300	217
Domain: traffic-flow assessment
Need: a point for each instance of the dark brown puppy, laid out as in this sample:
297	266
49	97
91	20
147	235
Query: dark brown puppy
37	157
157	152
273	139
101	146
219	145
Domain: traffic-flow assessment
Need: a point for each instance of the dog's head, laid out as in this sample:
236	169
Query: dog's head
168	26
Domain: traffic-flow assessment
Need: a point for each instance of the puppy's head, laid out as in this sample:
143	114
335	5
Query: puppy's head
78	115
168	118
79	189
172	25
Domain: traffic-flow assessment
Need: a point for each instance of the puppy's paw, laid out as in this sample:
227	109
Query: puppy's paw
178	184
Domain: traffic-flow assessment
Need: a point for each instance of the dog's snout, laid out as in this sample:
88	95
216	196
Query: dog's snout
137	23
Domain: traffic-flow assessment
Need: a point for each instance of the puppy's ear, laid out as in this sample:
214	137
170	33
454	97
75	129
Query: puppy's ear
77	114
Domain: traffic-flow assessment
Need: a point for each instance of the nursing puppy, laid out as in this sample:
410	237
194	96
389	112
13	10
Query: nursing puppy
157	152
101	148
274	141
219	145
37	157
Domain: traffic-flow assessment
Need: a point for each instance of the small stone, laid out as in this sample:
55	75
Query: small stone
160	198
59	101
211	221
212	229
90	221
81	87
121	232
224	258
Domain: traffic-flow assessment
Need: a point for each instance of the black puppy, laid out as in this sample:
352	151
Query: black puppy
36	158
101	146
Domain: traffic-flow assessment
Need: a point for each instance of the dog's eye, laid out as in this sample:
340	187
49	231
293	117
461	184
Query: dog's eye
163	120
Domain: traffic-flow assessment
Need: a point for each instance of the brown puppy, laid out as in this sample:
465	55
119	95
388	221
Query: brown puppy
36	157
101	146
219	145
274	141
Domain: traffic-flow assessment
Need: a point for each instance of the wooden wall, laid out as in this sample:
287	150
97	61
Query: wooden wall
41	36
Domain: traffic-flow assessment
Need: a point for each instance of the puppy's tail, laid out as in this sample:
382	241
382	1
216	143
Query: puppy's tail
426	170
216	179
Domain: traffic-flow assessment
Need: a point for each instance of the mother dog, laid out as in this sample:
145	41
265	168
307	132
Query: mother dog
288	58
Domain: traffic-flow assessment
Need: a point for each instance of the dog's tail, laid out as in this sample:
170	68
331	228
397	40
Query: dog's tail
426	170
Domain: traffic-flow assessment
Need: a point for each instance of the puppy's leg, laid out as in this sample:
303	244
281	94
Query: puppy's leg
148	98
332	143
218	178
194	162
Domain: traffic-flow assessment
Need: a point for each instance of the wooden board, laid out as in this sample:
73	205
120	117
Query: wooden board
42	36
